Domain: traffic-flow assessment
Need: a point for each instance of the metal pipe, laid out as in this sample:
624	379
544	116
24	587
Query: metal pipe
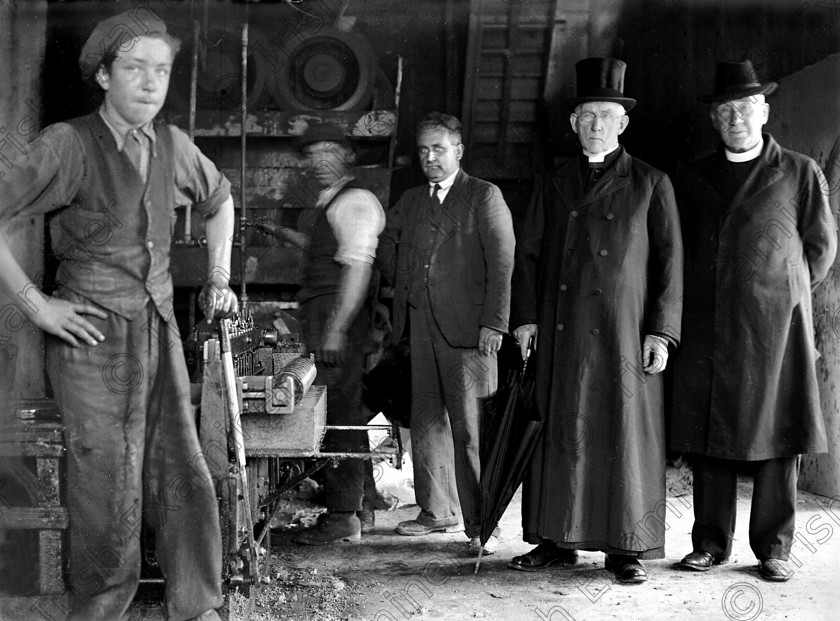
243	207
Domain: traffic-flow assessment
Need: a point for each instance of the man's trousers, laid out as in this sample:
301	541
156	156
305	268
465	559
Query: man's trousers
447	385
346	483
772	514
132	454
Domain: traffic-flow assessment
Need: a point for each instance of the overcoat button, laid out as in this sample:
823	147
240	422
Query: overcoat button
603	253
595	332
560	327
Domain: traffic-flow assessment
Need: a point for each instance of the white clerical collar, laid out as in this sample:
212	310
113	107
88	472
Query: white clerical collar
746	156
446	183
595	158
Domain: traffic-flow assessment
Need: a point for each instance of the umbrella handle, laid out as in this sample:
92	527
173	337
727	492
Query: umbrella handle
531	347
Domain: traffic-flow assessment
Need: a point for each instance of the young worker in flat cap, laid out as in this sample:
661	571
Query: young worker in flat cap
759	237
598	283
111	180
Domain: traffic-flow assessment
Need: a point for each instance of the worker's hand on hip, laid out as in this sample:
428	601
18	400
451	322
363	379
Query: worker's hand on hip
217	299
333	348
489	341
655	354
66	319
523	335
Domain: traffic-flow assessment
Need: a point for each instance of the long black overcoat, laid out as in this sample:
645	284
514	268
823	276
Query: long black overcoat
596	272
745	375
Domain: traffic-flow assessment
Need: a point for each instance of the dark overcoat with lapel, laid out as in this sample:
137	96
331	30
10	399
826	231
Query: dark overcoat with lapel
745	376
463	253
597	271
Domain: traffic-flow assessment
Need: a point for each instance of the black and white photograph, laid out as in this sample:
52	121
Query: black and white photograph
391	310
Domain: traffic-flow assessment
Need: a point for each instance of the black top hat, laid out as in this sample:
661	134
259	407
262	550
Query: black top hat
735	81
601	79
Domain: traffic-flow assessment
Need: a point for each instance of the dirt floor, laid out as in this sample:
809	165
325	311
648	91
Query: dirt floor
389	577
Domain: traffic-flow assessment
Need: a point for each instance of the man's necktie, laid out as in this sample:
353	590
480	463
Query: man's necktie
435	197
134	150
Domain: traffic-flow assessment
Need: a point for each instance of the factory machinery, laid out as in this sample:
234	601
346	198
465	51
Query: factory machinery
261	425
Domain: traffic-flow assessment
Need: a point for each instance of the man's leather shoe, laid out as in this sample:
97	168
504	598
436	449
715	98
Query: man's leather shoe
700	561
338	527
542	557
429	525
413	528
627	569
775	570
489	548
208	615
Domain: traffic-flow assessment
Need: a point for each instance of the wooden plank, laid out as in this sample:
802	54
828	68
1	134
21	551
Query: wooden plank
32	518
51	607
50	580
290	123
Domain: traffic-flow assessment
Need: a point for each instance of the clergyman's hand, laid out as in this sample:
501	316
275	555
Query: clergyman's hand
522	336
67	320
655	354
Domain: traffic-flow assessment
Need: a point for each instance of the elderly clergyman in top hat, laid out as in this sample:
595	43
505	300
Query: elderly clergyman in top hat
114	357
598	286
759	237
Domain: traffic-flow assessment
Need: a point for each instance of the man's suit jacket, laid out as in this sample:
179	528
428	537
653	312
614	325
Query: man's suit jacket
462	251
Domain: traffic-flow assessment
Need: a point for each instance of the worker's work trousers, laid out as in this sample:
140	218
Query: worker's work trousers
772	513
132	454
448	385
345	480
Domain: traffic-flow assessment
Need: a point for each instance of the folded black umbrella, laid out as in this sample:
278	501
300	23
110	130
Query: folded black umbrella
510	429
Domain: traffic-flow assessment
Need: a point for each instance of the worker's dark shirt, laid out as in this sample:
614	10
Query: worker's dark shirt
113	256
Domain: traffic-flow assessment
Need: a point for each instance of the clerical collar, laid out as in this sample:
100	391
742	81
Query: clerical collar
746	156
599	157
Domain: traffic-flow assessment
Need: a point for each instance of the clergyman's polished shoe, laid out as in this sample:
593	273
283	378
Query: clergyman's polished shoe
775	570
627	569
542	557
700	561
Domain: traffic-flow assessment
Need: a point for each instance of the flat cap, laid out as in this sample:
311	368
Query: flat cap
118	33
321	132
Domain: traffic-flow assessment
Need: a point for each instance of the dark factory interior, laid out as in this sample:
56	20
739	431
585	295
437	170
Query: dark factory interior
251	80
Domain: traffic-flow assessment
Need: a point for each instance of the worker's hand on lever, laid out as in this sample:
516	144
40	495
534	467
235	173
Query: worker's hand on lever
333	348
67	320
523	335
217	299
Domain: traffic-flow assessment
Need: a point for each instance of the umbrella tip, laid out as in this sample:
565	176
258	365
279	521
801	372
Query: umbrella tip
478	559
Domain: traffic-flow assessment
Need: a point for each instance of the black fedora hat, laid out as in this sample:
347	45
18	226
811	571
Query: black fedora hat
601	79
736	81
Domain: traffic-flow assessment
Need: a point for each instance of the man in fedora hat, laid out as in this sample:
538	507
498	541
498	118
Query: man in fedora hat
115	361
340	237
598	286
759	237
